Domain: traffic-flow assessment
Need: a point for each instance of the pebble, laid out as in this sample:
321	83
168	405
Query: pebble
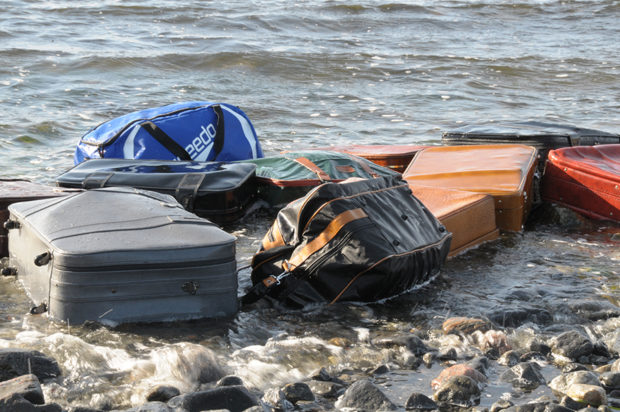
459	391
513	318
162	393
233	398
364	395
298	391
610	380
230	380
325	389
572	345
447	354
561	383
591	394
500	405
26	387
525	375
420	402
509	358
457	370
463	325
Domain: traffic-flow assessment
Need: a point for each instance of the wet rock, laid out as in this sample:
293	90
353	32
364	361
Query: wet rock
364	395
84	409
457	370
500	405
572	345
152	407
610	380
525	376
230	380
510	358
589	394
233	398
411	342
561	383
570	403
420	402
600	349
615	367
408	360
480	363
428	359
465	326
26	386
536	345
17	403
513	318
494	340
447	354
16	362
573	367
458	390
275	398
340	342
416	345
162	393
211	372
595	310
325	389
298	391
531	356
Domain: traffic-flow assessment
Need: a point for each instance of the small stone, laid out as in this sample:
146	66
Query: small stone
325	389
570	403
536	345
480	363
510	358
513	318
298	391
561	383
458	390
554	407
494	340
408	360
590	394
457	370
380	370
233	398
530	356
420	402
615	367
230	380
16	362
463	325
364	395
26	387
153	407
500	405
162	393
573	367
416	345
428	359
572	345
525	375
341	342
447	354
610	380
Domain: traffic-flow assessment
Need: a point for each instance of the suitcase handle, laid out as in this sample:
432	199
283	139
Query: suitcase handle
43	259
11	224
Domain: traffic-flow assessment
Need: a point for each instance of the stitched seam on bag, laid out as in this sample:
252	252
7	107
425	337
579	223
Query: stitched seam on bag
383	260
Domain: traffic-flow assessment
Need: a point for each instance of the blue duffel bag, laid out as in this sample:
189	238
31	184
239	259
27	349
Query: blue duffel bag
200	131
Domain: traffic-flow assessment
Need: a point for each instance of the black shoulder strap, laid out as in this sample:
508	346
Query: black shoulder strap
218	140
166	141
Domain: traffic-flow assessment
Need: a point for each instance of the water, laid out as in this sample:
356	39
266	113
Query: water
315	73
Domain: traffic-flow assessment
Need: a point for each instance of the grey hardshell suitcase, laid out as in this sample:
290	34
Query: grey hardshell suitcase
119	255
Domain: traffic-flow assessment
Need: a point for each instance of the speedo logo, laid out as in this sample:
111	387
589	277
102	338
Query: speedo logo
200	146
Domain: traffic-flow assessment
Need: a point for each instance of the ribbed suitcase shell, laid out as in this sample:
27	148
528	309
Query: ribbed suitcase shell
586	179
15	190
470	217
219	191
504	171
120	255
395	157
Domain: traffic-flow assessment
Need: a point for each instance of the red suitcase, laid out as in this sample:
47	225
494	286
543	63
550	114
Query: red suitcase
396	157
585	179
15	190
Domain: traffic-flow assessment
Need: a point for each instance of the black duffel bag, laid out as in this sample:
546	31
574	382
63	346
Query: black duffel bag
362	240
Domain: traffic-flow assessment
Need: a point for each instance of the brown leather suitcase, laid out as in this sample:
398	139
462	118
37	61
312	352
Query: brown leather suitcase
15	190
506	172
396	157
470	217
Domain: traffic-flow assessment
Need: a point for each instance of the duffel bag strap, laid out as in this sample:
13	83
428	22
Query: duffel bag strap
308	164
187	190
96	180
218	140
166	141
364	166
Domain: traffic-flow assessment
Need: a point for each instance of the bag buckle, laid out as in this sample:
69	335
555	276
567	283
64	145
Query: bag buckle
271	280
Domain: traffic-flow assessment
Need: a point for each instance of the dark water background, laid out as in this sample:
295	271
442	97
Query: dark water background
315	73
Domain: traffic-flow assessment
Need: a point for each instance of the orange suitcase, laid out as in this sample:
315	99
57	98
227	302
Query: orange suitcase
396	157
504	171
470	217
585	179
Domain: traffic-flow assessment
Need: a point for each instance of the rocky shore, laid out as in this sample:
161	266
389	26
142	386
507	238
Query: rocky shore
582	374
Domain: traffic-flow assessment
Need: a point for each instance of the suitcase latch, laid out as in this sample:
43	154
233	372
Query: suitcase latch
11	224
43	259
190	287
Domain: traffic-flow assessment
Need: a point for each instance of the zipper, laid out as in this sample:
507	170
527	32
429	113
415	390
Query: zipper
147	266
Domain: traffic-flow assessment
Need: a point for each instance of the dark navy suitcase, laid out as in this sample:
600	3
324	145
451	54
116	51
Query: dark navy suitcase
219	191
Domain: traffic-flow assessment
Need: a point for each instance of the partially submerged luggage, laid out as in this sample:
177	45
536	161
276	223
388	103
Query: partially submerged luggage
504	171
218	191
362	240
470	217
289	176
585	179
394	156
118	255
196	130
16	190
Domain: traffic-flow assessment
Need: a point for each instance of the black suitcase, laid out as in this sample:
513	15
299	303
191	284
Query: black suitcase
219	191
